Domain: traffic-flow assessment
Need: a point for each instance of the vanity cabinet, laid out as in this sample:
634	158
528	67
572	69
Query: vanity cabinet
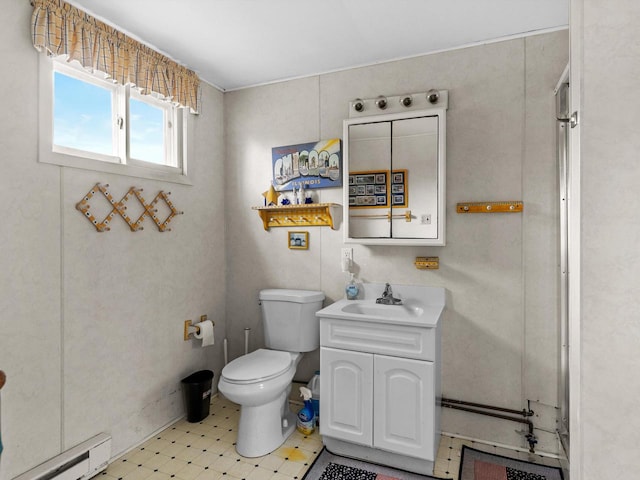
379	386
346	395
404	393
378	401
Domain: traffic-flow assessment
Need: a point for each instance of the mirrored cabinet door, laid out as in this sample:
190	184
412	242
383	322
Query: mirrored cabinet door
370	147
395	174
415	157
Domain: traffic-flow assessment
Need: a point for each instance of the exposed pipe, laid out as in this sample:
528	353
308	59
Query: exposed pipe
247	330
523	412
482	410
226	352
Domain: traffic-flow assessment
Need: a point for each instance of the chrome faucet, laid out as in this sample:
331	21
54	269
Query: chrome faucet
387	297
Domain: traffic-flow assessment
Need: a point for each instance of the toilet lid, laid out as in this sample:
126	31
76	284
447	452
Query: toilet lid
258	365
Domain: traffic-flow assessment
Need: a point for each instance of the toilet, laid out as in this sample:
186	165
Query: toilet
260	382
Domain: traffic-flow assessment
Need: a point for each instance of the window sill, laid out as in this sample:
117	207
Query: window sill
63	160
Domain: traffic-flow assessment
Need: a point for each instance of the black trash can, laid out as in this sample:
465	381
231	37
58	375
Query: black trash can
197	395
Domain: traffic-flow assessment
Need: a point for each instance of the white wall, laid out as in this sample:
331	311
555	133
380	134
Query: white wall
500	338
91	323
605	41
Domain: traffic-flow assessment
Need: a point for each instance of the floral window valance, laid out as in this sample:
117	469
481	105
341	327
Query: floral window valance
62	29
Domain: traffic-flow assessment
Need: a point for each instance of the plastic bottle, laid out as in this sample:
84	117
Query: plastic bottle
305	423
314	386
352	289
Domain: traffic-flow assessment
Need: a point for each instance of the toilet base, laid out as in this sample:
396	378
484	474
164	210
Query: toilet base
263	428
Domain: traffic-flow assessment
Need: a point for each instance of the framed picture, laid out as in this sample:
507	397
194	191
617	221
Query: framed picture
298	240
364	179
399	188
398	177
398	200
370	189
314	165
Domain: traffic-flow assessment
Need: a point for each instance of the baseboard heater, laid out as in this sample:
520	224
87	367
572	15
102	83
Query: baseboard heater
78	463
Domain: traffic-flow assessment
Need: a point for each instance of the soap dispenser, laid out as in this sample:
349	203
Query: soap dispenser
352	289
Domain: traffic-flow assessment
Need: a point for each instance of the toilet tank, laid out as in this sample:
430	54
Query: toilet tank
289	319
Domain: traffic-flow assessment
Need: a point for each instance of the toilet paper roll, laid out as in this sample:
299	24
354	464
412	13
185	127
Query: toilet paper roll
206	332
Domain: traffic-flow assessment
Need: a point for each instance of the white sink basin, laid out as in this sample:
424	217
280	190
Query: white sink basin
421	306
375	309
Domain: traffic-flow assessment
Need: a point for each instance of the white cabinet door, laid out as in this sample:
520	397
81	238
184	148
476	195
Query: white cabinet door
404	406
346	395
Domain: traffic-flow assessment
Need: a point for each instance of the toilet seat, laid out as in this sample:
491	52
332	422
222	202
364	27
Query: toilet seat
257	366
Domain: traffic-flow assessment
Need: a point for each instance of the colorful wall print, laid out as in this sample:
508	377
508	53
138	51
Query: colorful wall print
314	165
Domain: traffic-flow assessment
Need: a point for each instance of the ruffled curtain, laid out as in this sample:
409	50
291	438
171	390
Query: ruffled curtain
62	29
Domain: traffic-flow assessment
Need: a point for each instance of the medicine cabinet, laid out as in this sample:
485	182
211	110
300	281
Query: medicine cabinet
394	176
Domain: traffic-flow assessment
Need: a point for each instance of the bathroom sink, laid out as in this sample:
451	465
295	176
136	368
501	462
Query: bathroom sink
421	306
376	309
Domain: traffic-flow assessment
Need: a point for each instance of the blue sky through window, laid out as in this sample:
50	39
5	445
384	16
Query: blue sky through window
82	116
146	132
83	119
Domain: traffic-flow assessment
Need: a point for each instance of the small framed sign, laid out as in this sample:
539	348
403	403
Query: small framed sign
298	240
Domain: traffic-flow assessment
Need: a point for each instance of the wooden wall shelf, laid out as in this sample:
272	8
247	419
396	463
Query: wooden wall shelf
309	214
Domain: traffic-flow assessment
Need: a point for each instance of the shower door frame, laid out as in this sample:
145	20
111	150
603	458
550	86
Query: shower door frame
563	113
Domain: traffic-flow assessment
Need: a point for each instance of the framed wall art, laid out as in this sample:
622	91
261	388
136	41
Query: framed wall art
378	189
314	165
298	240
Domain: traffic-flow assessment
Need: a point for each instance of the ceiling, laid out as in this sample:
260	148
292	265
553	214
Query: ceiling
234	44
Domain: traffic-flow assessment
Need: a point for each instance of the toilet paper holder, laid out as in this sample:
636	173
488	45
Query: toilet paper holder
189	328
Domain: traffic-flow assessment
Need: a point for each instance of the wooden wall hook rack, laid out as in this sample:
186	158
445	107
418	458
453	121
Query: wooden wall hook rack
490	207
427	263
308	214
120	207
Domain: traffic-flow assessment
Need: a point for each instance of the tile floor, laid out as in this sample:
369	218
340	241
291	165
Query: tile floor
206	451
450	450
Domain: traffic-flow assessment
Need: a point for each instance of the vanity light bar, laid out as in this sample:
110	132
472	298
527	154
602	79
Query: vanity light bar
399	103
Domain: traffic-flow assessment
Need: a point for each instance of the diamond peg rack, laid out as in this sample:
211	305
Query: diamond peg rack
120	208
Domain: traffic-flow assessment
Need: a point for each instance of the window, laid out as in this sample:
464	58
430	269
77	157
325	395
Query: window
88	121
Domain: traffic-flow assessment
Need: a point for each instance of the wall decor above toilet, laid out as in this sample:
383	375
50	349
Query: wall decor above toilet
120	208
312	165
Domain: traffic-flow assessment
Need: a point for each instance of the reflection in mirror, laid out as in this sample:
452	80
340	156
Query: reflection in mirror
370	147
415	149
394	178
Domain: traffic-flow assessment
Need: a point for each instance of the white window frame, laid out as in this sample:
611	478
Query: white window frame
121	164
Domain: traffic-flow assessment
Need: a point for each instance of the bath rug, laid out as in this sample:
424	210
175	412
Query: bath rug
333	467
477	465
